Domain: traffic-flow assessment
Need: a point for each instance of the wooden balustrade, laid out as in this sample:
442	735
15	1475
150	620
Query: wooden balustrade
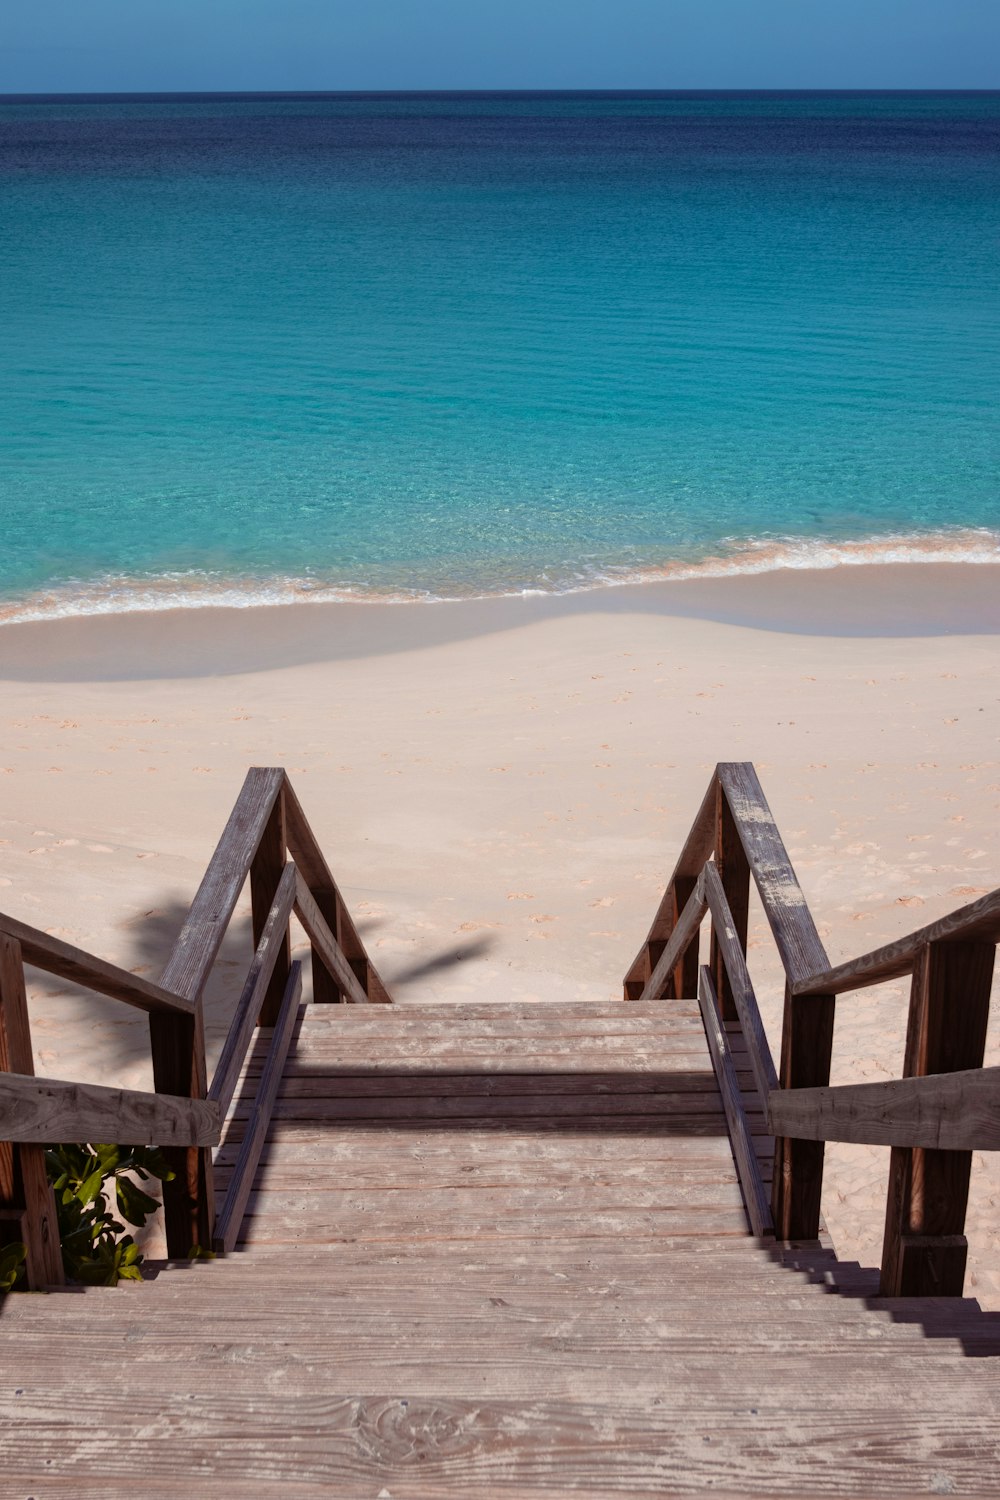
945	1107
185	1115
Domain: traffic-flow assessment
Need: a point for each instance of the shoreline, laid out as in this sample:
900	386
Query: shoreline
877	601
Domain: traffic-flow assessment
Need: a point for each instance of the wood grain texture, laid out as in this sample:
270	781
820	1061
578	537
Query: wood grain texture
732	870
177	1044
200	938
924	1251
227	1226
685	976
271	946
806	1053
311	862
947	1111
676	946
697	848
24	1182
752	1186
53	956
325	946
732	954
784	904
267	869
979	922
48	1110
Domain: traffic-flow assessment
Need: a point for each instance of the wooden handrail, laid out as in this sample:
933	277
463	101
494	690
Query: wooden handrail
184	1116
199	940
324	944
43	1110
785	906
747	1167
939	1112
979	921
234	1204
53	956
241	1028
316	877
947	1105
684	929
697	849
764	1072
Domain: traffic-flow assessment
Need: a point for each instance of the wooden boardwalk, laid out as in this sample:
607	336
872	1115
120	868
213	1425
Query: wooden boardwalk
498	1251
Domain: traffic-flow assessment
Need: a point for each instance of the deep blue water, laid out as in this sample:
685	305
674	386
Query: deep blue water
454	343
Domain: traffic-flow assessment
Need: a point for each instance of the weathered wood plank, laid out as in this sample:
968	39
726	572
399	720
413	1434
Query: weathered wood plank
316	873
408	1083
271	946
924	1251
24	1182
267	871
325	946
200	938
806	1053
677	945
525	1441
784	904
276	1227
754	1194
945	1112
732	870
179	1049
685	977
978	922
54	956
49	1110
445	1106
697	848
732	953
177	1044
231	1214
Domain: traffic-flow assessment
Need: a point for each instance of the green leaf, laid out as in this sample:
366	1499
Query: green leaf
90	1187
133	1204
12	1259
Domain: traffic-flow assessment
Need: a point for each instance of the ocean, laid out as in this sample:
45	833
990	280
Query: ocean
272	347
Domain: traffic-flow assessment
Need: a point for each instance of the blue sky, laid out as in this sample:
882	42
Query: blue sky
110	45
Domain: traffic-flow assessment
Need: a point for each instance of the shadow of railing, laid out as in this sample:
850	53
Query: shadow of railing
960	1319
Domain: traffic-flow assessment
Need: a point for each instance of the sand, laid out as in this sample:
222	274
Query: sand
502	786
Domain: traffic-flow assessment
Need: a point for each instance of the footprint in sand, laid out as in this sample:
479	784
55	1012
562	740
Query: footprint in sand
520	896
100	849
604	901
542	917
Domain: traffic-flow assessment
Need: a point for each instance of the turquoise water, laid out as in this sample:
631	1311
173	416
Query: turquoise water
458	344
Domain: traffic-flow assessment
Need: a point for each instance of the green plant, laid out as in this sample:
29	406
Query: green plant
12	1259
95	1246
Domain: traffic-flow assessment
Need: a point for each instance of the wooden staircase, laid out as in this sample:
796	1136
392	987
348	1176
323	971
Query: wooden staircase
489	1251
502	1250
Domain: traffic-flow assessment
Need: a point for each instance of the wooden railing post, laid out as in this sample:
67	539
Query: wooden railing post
697	849
266	870
734	871
806	1052
322	887
925	1250
26	1199
178	1047
684	984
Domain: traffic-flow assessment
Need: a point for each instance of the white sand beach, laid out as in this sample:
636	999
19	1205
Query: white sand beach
502	786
